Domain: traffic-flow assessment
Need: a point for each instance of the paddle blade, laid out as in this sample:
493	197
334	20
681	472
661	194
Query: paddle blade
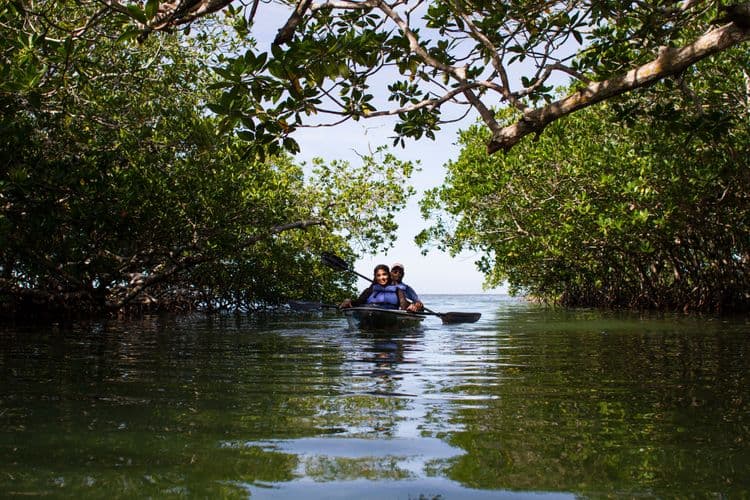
334	261
459	317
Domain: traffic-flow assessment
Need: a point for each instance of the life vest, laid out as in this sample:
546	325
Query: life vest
384	296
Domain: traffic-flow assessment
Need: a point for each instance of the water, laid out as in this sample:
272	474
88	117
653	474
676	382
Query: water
527	402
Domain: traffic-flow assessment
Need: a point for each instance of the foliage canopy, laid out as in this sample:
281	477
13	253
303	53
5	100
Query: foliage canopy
642	202
441	60
118	185
118	189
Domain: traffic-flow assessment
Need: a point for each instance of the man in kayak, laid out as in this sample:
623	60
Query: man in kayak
382	293
397	275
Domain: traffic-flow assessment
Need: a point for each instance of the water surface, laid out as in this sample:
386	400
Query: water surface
527	402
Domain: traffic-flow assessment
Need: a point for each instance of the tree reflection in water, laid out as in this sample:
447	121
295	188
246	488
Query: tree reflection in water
526	400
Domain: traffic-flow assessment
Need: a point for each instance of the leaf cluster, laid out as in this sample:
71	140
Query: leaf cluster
438	56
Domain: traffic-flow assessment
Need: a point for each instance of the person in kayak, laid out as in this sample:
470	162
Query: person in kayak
397	276
382	293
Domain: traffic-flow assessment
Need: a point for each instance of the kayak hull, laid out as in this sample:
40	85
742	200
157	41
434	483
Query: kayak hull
376	318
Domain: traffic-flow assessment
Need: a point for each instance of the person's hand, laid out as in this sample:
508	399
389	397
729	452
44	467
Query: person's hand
345	304
415	307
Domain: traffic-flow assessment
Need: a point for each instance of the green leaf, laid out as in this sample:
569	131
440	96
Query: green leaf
291	145
137	13
152	7
129	35
226	74
276	69
246	135
217	108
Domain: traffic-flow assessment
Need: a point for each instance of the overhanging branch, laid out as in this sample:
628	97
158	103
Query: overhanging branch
286	33
670	61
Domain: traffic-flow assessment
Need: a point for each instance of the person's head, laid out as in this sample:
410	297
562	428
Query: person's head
397	272
381	275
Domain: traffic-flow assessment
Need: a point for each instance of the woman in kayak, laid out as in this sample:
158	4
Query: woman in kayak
382	293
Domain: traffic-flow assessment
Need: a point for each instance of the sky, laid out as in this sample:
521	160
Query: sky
435	272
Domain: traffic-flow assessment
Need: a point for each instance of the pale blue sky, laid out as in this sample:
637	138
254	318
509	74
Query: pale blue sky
436	272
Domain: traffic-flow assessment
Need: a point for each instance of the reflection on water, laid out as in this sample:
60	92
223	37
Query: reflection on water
554	402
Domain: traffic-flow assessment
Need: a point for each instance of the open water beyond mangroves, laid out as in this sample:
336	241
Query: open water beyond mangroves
527	402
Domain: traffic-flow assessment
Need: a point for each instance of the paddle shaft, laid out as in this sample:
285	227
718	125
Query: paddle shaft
431	311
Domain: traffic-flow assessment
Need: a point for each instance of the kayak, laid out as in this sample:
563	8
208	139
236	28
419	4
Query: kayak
376	318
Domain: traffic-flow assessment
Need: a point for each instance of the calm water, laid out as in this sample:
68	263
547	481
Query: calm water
527	402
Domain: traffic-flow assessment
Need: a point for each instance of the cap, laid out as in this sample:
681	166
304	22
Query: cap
398	264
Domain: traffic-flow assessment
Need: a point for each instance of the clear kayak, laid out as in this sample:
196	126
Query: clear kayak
377	318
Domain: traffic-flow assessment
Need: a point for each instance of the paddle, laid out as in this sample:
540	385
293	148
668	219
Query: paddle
335	262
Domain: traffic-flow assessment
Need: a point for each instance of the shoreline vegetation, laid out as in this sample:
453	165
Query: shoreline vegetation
140	174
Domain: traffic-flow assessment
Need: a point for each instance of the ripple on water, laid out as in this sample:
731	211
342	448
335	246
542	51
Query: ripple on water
524	401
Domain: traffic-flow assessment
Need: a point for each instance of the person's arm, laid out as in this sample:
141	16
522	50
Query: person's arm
403	304
362	299
416	304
